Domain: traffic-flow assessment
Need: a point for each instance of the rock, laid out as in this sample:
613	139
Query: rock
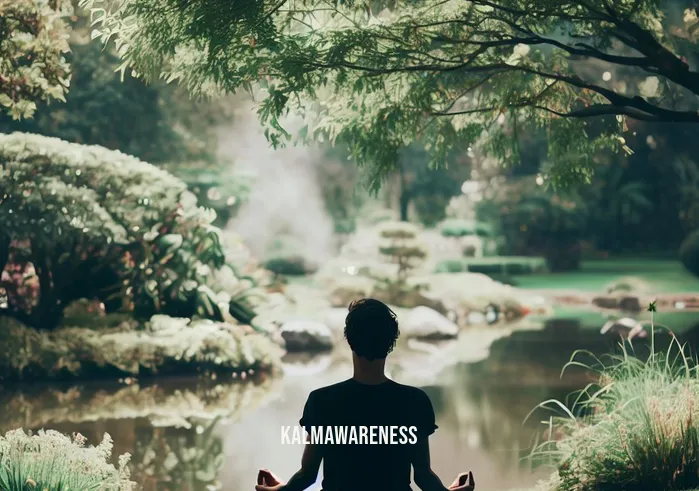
606	302
425	323
476	319
625	327
630	304
306	336
618	302
463	293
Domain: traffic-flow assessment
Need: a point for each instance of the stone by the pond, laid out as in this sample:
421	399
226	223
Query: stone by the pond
625	327
476	319
626	303
164	346
425	323
306	336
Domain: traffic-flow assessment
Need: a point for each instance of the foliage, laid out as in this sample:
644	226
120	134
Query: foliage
455	227
538	222
642	430
441	72
218	187
429	189
146	121
51	460
689	253
284	256
618	203
97	223
163	345
33	44
338	177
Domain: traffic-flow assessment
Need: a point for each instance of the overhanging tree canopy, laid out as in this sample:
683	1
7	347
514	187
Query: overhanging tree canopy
33	43
441	71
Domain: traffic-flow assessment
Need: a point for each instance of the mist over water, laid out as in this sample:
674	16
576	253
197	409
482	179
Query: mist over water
286	197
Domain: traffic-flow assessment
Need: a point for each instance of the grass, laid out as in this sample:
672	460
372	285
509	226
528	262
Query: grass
665	275
51	461
639	428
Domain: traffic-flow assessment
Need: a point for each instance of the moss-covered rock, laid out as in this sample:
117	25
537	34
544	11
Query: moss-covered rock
165	345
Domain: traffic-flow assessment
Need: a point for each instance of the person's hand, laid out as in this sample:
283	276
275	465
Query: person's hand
463	482
267	481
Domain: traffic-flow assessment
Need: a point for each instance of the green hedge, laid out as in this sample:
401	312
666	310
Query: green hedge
503	265
462	228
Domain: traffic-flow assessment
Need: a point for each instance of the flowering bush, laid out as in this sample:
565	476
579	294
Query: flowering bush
50	460
33	44
87	222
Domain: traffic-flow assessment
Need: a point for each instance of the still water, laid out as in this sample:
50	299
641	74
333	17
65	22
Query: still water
191	435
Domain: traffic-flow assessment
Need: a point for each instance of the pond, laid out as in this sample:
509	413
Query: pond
213	434
204	434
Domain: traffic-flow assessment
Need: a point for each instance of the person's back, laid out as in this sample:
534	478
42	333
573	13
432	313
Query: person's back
378	428
374	428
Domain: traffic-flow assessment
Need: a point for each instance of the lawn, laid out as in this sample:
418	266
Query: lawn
663	275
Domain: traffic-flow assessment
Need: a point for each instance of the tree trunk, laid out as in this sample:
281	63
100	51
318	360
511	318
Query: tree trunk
404	196
49	311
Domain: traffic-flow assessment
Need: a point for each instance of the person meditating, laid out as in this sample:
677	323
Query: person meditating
368	399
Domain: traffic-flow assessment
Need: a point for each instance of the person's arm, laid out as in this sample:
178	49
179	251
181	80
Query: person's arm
423	474
307	475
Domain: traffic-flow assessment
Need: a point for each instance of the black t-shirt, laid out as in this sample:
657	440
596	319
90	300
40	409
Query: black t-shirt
377	458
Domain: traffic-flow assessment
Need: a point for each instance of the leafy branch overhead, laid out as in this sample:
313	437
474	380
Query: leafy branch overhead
33	43
444	72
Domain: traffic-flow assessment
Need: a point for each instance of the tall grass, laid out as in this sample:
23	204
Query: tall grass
51	461
641	425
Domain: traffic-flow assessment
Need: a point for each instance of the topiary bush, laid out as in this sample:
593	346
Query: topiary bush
87	222
402	247
689	253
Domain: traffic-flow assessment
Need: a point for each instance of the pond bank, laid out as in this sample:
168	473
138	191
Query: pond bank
162	346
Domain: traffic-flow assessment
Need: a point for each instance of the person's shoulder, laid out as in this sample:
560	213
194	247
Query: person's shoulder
412	391
329	390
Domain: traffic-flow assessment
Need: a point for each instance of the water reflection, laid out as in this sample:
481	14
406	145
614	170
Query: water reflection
196	435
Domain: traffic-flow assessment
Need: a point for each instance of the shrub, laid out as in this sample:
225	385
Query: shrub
52	461
87	222
534	221
285	256
642	428
461	228
689	253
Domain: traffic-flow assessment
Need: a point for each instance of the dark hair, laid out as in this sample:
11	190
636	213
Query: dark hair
371	329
